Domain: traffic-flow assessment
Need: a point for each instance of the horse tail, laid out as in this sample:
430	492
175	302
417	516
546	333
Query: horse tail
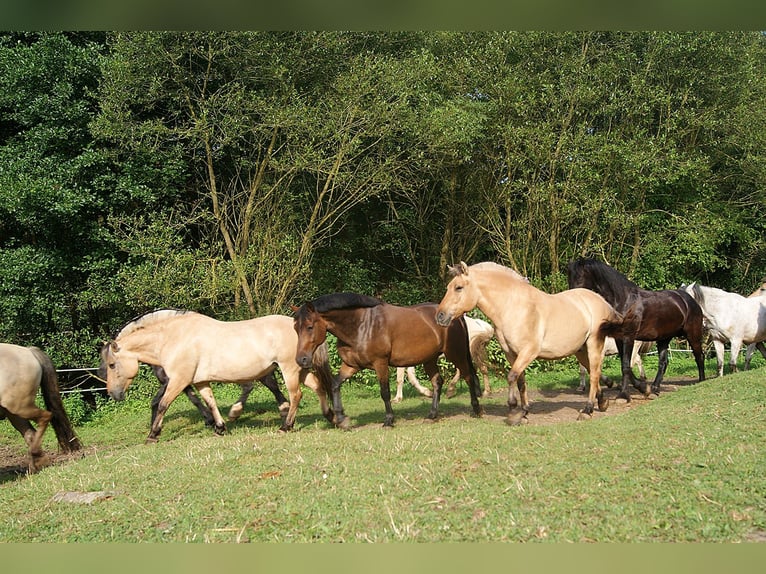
617	325
321	363
472	368
68	441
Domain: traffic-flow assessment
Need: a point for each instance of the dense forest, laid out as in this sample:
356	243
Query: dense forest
237	173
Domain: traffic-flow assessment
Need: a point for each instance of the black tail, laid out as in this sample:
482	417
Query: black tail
321	363
68	441
618	326
473	374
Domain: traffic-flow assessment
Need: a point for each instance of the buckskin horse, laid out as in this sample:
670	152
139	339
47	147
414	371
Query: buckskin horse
649	316
24	370
375	335
194	349
530	324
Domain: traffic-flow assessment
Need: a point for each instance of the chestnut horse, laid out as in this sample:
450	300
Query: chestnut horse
194	349
375	335
531	324
24	370
649	316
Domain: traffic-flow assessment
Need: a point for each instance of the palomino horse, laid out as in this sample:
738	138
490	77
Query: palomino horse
194	349
479	334
373	335
24	370
531	324
648	315
760	292
730	317
640	348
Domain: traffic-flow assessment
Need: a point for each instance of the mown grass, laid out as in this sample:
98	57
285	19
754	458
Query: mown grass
688	466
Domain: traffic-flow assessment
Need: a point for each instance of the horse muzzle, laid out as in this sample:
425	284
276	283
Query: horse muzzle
117	394
443	319
304	361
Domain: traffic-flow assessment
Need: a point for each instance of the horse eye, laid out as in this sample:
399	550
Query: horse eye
458	287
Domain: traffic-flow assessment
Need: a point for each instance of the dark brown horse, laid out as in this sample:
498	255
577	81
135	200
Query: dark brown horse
648	316
373	335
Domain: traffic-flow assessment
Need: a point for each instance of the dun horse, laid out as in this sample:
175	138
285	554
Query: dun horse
24	370
375	335
530	323
194	349
730	317
649	316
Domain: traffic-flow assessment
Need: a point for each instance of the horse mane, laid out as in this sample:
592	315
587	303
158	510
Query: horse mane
492	266
337	301
146	319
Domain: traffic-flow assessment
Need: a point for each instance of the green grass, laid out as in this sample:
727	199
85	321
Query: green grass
688	466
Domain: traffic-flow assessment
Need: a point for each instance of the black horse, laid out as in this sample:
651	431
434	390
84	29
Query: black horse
648	316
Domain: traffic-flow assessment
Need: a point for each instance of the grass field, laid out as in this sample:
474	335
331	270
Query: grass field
688	466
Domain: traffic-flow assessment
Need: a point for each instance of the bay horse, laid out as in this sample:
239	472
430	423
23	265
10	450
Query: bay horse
194	349
730	317
760	292
24	370
649	316
530	324
479	334
374	335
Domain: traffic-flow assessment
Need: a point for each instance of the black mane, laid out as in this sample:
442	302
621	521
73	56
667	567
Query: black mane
336	301
600	277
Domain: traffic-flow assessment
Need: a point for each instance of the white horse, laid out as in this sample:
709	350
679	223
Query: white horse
760	292
479	334
730	317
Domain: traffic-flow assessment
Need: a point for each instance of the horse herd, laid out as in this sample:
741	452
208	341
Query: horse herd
187	349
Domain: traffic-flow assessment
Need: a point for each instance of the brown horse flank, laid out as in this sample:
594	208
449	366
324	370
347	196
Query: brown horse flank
649	316
373	335
24	370
530	323
194	349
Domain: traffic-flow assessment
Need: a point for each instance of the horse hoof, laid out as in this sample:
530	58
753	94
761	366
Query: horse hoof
151	440
450	393
235	411
345	424
428	394
396	400
621	401
517	419
220	430
602	406
583	416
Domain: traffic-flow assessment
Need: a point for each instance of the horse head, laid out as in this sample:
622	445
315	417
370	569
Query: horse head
312	332
461	295
119	368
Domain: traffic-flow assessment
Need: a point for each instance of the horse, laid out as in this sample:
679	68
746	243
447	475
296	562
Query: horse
760	292
194	349
24	370
479	334
530	324
730	317
649	316
640	348
374	335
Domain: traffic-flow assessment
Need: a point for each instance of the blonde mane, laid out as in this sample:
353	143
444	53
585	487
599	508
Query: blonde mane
147	319
496	267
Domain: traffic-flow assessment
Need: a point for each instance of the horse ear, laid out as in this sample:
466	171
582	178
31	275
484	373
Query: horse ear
463	268
310	307
294	308
115	347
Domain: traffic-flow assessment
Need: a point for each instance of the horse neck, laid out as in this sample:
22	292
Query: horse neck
500	290
347	324
144	342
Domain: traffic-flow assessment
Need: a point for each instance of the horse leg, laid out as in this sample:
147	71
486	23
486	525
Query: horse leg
206	392
238	407
627	371
736	345
311	381
159	372
412	377
270	382
172	390
699	356
591	357
662	354
452	386
719	355
346	371
399	384
435	376
293	379
33	438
